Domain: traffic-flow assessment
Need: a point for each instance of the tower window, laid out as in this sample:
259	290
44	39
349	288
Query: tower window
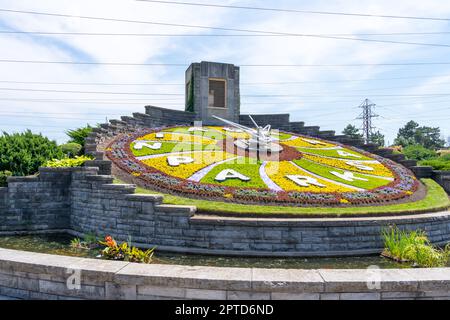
216	96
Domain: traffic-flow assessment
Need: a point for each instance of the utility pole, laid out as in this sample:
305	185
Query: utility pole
366	116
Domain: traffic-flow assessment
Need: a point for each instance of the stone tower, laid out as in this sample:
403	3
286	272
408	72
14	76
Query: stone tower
213	89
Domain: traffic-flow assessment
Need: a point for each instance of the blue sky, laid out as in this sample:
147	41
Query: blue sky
324	96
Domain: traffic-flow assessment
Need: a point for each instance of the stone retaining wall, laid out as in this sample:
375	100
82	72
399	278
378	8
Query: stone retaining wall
81	201
36	203
41	276
443	178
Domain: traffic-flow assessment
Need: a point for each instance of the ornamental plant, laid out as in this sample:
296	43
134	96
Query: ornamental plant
67	162
124	251
413	247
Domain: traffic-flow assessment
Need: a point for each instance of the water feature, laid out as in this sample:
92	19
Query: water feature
59	244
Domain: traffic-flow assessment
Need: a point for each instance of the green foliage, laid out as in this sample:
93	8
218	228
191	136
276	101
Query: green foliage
412	134
67	162
124	251
79	135
71	149
413	246
352	131
377	138
4	176
440	163
23	153
418	152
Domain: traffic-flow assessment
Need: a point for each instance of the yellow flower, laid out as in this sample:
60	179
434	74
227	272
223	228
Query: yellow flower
178	137
136	174
277	172
378	168
184	171
308	142
344	201
228	195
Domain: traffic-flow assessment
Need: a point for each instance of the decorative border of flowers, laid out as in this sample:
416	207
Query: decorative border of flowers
118	151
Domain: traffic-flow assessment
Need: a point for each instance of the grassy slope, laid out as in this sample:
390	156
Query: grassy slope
436	199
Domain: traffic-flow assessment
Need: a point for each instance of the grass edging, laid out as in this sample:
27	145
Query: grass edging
435	200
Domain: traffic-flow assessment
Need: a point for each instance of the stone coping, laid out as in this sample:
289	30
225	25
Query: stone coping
40	276
331	221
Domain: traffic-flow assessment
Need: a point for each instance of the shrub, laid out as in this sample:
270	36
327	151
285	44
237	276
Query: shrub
413	246
23	153
4	176
441	163
418	152
67	162
71	149
437	164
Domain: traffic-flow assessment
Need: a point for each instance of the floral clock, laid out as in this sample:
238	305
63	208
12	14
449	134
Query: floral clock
207	163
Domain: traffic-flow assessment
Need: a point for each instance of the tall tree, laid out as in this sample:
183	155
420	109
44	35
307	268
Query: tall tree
352	131
413	134
377	138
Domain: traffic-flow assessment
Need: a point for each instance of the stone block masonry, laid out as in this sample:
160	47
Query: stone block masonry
29	275
81	201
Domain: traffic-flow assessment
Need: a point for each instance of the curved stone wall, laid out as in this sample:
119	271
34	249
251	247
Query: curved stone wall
41	276
81	201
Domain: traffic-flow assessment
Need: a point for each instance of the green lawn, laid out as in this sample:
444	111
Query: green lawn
435	200
249	170
324	171
333	153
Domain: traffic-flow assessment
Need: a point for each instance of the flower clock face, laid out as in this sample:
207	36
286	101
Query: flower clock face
213	163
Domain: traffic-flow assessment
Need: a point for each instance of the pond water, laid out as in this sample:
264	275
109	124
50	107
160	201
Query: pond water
59	244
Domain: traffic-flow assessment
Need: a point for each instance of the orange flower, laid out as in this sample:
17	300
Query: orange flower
110	241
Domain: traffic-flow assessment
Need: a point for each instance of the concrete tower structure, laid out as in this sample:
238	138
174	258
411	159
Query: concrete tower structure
213	89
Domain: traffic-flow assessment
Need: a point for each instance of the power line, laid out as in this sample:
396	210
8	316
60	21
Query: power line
241	65
93	92
295	10
242	83
248	95
217	34
221	28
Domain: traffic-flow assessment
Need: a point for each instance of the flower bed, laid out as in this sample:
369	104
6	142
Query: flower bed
387	181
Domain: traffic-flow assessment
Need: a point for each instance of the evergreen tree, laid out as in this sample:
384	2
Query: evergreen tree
352	131
378	139
413	134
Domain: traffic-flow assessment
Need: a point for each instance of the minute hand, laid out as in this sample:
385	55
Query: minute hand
251	131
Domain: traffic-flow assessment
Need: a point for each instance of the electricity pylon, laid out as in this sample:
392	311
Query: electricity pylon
367	115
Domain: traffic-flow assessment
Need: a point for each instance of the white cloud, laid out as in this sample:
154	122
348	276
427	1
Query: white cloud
235	50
